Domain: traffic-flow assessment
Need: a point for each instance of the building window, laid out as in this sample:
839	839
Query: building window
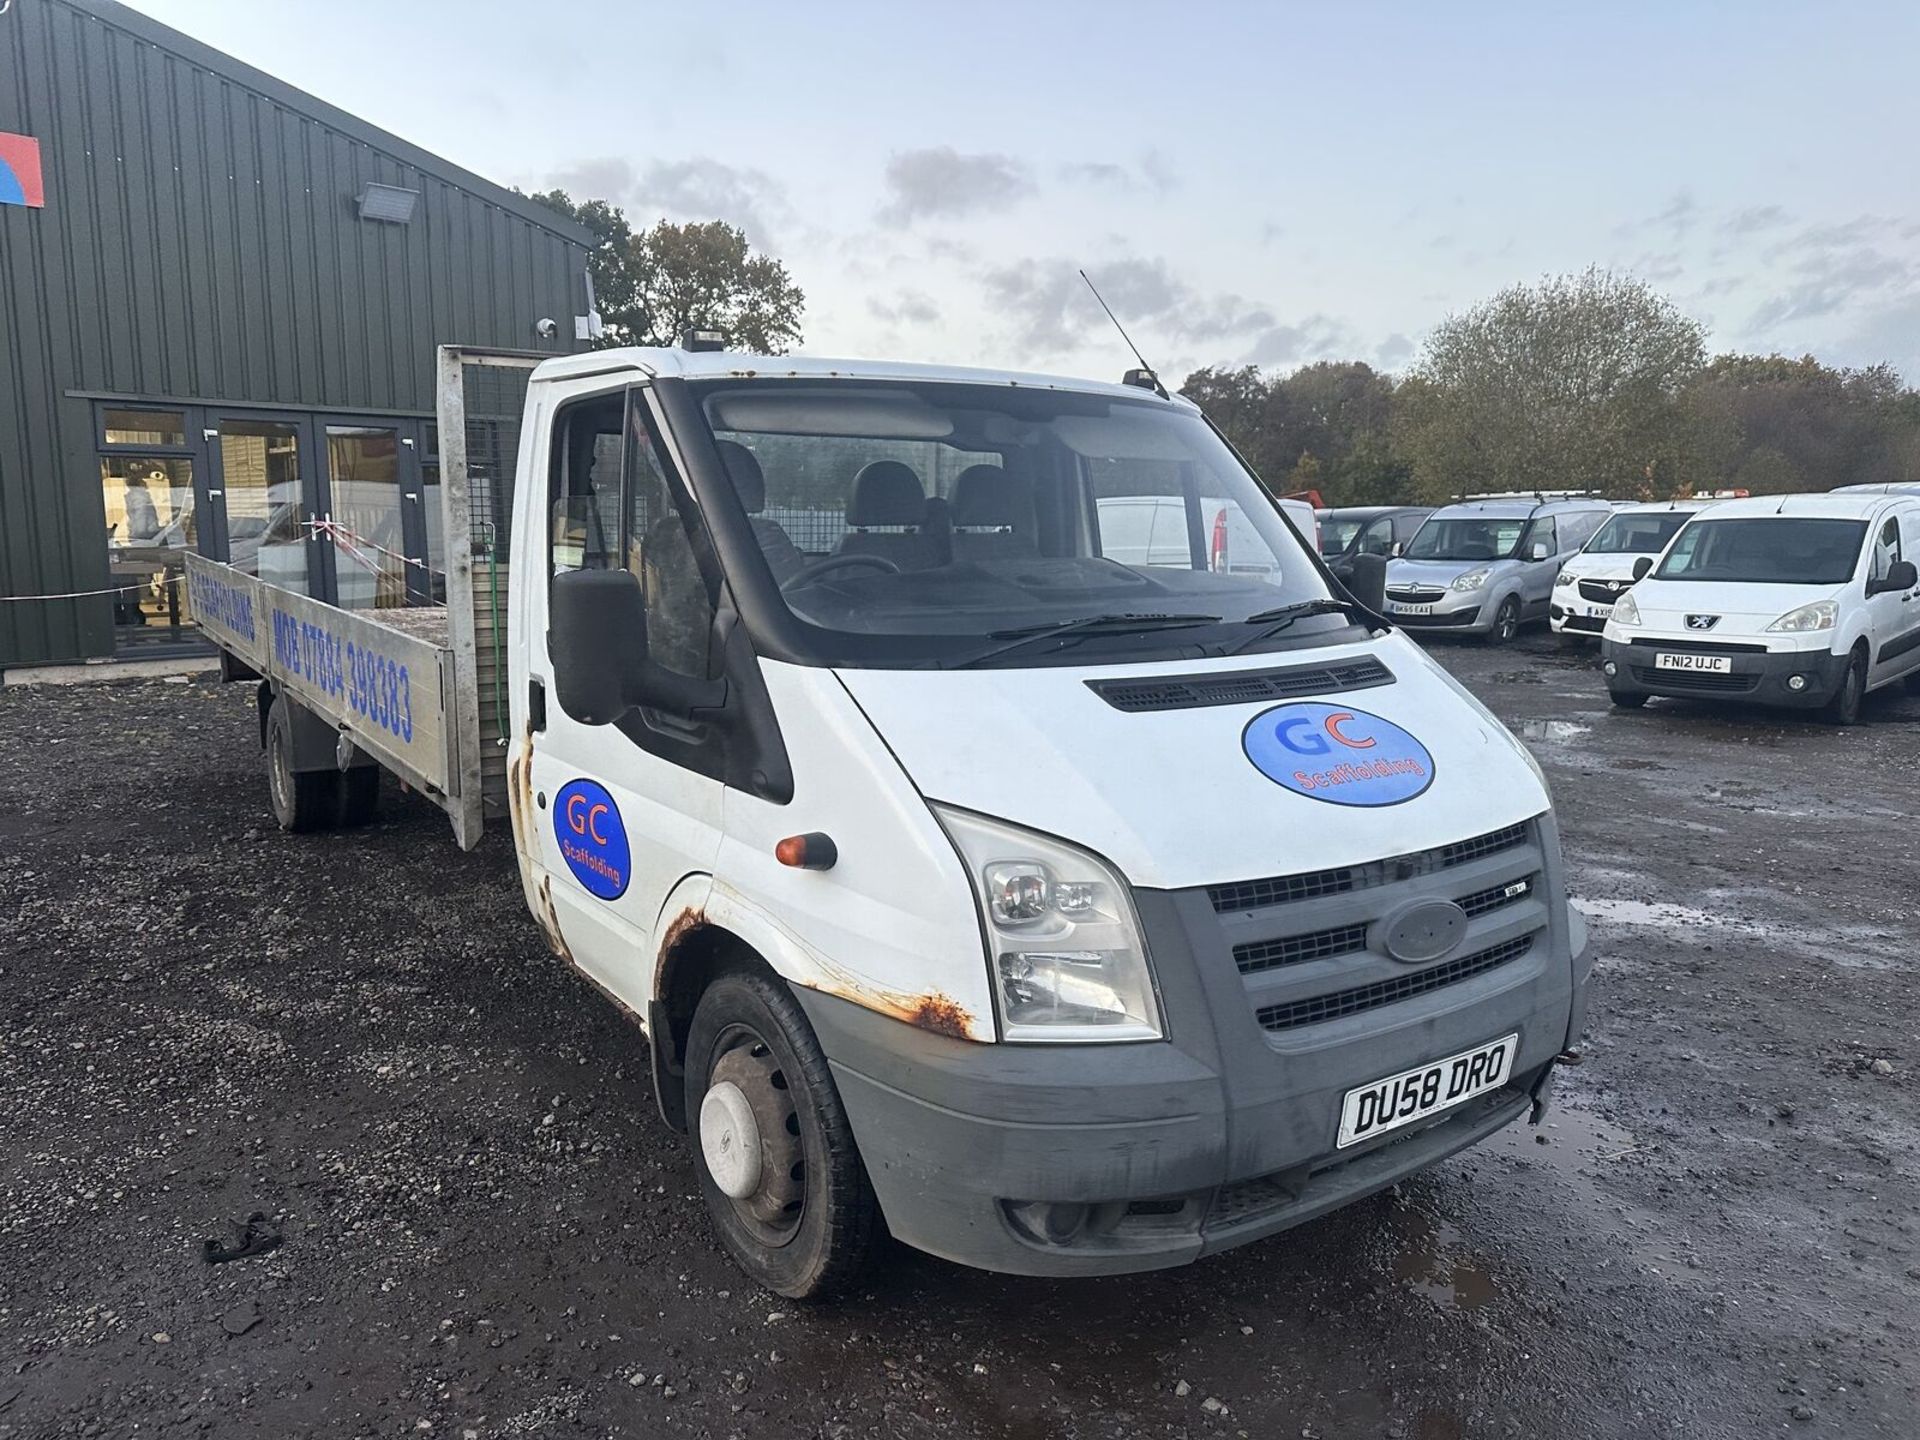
148	429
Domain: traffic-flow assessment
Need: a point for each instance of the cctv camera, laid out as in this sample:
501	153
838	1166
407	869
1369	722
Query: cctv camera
545	329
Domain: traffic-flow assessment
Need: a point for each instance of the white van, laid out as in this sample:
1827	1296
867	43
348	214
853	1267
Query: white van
1808	601
1066	910
1154	530
1591	580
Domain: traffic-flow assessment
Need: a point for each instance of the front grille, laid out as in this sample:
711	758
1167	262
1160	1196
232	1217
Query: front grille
1341	1003
1414	594
1298	949
1591	623
1602	592
1702	680
1491	843
1285	889
1497	897
1454	617
1243	687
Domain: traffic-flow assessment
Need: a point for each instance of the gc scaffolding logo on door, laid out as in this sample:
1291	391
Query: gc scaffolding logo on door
593	841
1336	754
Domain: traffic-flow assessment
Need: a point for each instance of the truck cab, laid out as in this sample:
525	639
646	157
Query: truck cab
1073	912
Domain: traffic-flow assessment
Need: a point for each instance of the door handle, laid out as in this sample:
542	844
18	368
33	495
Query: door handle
212	493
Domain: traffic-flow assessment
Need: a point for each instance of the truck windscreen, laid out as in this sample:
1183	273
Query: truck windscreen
947	518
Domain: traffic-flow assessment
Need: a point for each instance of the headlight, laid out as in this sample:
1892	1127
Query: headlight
1626	611
1472	580
1818	616
1065	957
1563	579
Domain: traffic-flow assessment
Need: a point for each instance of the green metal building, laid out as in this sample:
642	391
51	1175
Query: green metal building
219	304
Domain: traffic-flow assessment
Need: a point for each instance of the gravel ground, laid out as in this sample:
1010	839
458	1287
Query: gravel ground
488	1232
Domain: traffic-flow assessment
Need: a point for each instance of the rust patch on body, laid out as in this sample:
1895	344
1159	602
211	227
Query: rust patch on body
942	1015
938	1013
549	919
684	924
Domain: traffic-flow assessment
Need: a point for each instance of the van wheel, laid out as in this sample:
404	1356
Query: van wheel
1627	699
302	800
1844	707
1506	622
778	1166
359	796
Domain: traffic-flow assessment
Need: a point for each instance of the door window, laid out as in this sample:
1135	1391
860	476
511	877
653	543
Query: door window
266	518
151	524
1377	538
1886	551
616	506
1543	529
369	539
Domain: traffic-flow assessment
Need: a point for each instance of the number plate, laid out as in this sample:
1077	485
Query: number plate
1718	664
1400	608
1426	1090
1599	612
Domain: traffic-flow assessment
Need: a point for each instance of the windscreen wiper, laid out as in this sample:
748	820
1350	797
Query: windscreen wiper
1085	625
1272	622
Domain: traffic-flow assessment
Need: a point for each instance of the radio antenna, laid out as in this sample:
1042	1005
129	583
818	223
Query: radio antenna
1146	372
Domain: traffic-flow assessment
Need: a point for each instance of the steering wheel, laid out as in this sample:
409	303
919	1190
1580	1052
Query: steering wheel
837	562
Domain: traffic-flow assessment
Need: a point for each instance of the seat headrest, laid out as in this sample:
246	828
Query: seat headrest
749	481
886	492
987	497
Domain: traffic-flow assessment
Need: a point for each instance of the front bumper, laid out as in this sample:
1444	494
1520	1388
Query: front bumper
1756	675
1465	613
1159	1153
1573	618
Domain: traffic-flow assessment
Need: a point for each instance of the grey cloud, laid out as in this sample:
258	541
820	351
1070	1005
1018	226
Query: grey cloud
909	307
1754	219
697	189
1152	171
1657	267
1318	337
1393	352
942	182
1834	268
1674	219
1052	310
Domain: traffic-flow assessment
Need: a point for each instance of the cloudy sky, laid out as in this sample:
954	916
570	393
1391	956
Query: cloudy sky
1248	183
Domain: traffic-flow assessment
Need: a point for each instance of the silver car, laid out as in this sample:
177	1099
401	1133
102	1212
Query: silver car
1486	567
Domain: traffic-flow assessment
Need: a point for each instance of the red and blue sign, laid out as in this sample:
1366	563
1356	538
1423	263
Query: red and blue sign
20	171
593	841
1336	754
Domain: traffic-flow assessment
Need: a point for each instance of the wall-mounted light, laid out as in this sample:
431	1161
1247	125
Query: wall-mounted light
389	204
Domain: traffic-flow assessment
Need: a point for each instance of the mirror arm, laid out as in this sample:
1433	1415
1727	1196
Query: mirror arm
659	688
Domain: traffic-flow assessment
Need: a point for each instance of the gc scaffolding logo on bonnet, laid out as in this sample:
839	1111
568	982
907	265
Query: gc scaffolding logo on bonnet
1341	756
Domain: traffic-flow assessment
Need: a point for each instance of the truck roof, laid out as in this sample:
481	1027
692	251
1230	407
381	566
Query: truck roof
723	365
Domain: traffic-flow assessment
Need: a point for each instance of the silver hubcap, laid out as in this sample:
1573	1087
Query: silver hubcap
730	1140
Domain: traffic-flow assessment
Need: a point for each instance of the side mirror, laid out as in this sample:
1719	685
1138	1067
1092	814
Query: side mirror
1901	575
1642	567
597	639
1398	549
1539	550
1368	582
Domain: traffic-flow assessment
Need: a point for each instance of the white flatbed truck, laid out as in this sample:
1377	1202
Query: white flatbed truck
1070	914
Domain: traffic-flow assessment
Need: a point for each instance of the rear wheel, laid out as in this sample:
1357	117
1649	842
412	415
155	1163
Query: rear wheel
1506	622
774	1151
302	800
1844	707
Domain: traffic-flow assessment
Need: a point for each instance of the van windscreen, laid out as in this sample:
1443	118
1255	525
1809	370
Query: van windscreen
1766	550
934	518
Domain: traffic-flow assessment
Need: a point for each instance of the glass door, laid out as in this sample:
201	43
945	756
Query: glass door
373	512
265	505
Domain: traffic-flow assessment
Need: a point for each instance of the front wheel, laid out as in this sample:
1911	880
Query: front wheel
1844	707
1627	699
773	1148
1506	622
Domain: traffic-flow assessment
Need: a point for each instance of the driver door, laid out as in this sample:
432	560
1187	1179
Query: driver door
623	812
1893	616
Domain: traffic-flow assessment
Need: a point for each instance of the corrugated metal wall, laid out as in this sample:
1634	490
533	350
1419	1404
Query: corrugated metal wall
200	242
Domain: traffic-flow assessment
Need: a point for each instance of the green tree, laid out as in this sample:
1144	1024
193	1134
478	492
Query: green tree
650	285
1780	425
1573	383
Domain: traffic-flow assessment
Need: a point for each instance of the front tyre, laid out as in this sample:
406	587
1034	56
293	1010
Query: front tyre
1844	707
1627	699
778	1166
1506	622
